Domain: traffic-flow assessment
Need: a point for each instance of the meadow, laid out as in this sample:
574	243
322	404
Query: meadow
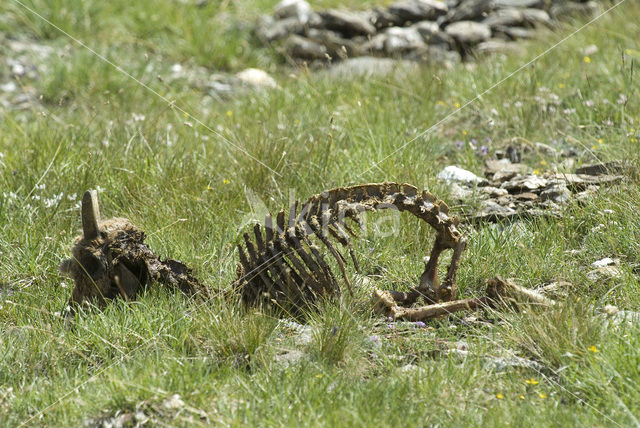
185	166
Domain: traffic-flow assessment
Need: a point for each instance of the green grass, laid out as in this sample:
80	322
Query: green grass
185	186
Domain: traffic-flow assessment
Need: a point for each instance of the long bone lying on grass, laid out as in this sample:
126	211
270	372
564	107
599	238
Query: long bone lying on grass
110	259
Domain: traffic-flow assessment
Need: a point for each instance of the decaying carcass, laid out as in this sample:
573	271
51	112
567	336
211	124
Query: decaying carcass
110	259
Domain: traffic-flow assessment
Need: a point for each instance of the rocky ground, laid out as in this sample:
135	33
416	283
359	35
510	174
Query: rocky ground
419	30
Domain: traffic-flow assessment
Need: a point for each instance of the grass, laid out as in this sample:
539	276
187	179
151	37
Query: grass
186	185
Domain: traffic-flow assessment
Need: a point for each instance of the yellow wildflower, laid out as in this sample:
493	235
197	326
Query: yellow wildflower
593	349
521	397
464	132
587	59
229	113
542	395
225	181
499	396
543	162
319	375
600	140
456	104
561	85
532	381
536	171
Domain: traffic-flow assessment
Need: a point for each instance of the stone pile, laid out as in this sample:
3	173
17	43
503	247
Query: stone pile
511	191
421	30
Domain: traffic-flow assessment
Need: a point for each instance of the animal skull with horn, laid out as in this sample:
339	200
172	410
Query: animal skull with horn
110	259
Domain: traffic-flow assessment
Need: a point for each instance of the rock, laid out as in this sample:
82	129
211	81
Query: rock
298	9
524	183
8	87
368	66
601	168
470	10
469	32
402	39
256	78
457	192
514	33
374	46
501	17
569	9
337	46
623	318
382	18
302	48
454	174
347	23
607	261
270	30
503	165
418	10
432	35
502	4
605	269
558	193
494	192
580	182
535	17
289	358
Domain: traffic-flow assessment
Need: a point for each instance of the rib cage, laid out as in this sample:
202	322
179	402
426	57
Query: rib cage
281	262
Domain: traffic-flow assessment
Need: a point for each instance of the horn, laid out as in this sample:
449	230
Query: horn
90	215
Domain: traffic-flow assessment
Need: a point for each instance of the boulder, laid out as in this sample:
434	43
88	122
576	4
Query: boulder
469	32
303	48
470	10
402	39
418	10
501	17
348	23
299	9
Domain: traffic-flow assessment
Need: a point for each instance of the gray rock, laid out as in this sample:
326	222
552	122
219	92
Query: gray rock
510	17
514	33
382	18
256	78
558	193
302	48
418	10
493	211
270	30
564	10
402	39
469	10
469	32
526	183
502	4
347	23
432	35
337	46
536	17
299	9
454	174
601	168
290	358
375	45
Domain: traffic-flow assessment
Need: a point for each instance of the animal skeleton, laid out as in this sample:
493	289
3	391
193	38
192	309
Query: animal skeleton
282	263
